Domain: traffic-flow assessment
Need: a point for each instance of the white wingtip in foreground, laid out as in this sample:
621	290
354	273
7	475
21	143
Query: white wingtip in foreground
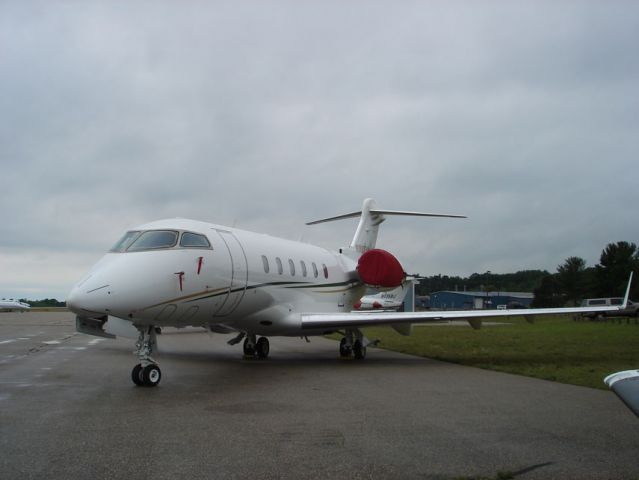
626	386
181	272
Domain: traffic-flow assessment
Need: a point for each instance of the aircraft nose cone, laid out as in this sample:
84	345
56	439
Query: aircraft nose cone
85	299
73	301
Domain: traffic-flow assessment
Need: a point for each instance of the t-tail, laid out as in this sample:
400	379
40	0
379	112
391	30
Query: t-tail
371	217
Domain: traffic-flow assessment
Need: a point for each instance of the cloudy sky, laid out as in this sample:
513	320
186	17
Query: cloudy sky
267	114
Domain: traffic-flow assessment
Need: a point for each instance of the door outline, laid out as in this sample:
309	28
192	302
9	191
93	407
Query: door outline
239	273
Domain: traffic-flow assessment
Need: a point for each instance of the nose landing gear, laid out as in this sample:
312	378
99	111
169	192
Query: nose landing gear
147	373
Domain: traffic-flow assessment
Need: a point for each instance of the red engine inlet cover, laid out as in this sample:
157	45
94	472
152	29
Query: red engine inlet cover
380	268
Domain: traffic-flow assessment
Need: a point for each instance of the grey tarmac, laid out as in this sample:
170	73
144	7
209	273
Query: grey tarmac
68	410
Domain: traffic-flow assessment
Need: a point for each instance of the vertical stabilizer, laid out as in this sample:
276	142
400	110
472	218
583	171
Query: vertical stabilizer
366	234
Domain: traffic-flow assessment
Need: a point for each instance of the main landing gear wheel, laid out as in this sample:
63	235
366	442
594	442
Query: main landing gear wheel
249	348
345	349
262	347
256	349
359	350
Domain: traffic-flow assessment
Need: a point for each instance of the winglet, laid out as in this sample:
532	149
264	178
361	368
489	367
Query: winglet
625	298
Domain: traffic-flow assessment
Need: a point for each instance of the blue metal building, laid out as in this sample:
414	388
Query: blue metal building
447	300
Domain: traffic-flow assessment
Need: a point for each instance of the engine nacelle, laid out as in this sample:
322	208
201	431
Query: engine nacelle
379	268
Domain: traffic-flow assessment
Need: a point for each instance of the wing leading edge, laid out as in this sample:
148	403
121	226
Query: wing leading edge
318	321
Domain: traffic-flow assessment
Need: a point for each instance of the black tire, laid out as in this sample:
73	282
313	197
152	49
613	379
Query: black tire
345	350
136	375
262	347
249	350
151	375
359	350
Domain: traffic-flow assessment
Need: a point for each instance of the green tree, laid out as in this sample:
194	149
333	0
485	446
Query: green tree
615	264
571	279
548	293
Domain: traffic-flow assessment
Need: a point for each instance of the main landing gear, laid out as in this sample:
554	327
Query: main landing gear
146	373
256	349
354	344
253	347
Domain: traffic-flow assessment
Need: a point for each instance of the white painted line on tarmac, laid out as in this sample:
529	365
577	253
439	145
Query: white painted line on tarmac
96	341
52	342
8	341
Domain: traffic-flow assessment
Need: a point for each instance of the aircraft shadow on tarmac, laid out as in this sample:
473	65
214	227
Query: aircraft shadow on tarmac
288	357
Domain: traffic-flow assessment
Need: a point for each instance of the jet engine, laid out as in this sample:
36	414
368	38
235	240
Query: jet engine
379	268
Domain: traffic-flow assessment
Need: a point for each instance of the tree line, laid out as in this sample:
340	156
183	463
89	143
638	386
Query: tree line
569	285
574	281
46	302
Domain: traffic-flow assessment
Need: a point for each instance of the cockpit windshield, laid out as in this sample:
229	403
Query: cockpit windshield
126	240
136	240
154	239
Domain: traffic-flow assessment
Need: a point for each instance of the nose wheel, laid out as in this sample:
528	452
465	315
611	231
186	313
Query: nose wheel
148	376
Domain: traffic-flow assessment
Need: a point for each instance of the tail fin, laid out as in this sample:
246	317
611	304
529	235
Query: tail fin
370	218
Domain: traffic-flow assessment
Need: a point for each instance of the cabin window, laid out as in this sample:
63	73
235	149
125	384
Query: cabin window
280	269
303	265
126	241
325	270
265	263
154	239
291	267
194	240
315	272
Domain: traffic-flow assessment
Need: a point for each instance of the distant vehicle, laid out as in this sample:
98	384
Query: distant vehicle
11	304
631	310
502	307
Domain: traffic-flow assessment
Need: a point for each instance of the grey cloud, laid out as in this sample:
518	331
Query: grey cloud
522	115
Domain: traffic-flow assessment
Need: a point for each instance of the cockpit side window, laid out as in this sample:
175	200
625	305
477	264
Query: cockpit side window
154	239
194	240
126	240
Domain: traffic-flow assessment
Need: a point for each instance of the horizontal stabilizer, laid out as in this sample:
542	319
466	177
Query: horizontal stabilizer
385	212
370	217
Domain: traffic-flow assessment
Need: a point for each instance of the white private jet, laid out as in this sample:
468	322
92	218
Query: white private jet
188	273
389	300
11	304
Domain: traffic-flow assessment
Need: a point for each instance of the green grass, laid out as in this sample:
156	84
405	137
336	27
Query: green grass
554	348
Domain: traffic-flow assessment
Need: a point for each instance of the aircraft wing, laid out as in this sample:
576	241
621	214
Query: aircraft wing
331	321
318	321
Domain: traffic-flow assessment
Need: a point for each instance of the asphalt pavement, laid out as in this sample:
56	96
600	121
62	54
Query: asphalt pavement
68	410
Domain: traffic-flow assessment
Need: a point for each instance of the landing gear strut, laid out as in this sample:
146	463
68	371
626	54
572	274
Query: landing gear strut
253	348
146	373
